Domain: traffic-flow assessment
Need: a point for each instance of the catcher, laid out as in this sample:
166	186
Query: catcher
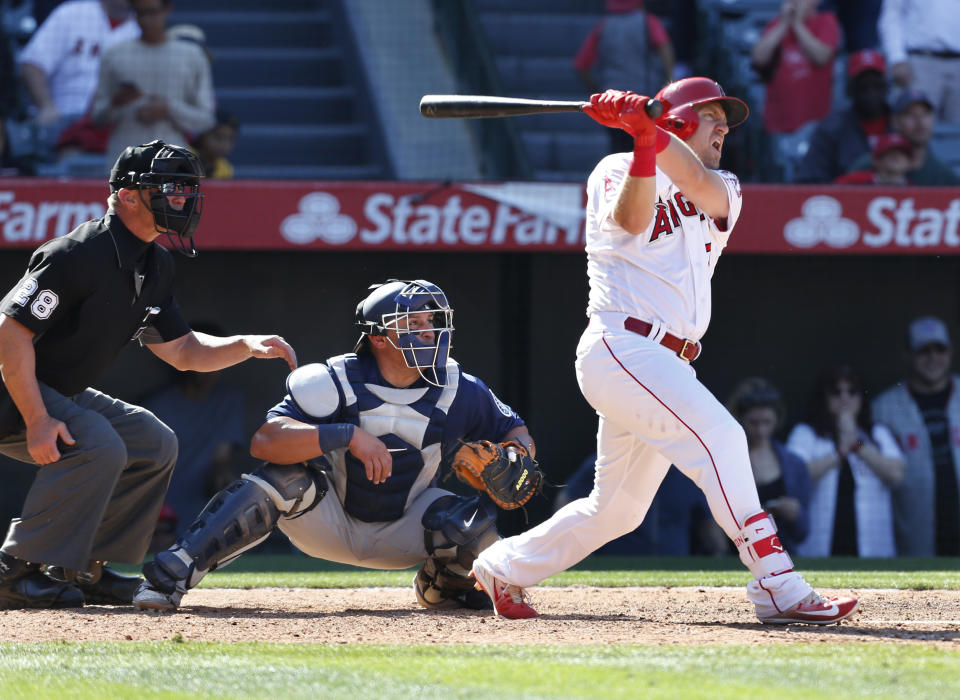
353	454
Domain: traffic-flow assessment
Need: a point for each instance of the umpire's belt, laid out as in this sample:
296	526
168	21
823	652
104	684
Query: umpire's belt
689	350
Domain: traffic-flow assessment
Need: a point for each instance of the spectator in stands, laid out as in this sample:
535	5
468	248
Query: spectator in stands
921	39
208	419
153	87
889	163
794	56
858	18
924	414
845	135
854	464
912	116
629	49
215	144
61	61
783	481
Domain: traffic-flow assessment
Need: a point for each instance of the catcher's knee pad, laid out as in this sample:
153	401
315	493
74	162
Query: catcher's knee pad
456	530
760	549
237	519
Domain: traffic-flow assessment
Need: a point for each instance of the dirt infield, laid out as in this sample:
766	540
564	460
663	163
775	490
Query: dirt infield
575	615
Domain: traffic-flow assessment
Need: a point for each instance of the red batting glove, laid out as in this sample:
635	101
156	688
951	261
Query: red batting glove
605	107
636	121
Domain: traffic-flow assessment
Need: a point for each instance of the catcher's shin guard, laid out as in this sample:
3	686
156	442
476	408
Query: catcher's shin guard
456	530
235	520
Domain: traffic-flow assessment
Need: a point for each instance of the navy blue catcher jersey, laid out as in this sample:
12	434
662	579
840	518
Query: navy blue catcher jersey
422	425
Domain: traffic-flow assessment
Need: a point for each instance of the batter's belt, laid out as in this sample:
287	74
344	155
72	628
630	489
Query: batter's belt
689	350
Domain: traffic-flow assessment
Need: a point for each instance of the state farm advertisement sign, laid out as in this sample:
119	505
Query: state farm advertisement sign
844	219
505	216
388	216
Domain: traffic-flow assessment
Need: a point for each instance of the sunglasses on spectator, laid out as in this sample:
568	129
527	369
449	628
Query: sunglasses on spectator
839	390
932	348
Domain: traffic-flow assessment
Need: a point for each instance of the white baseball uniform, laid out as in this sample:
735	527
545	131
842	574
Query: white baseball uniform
653	410
68	46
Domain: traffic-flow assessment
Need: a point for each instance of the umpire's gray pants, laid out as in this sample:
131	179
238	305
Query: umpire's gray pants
101	500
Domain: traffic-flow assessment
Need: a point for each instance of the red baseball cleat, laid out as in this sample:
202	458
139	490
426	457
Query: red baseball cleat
815	610
508	601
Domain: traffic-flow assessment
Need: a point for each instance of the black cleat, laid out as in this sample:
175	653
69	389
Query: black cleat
34	590
113	588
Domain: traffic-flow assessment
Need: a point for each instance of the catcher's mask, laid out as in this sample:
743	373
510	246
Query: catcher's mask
681	96
390	305
164	171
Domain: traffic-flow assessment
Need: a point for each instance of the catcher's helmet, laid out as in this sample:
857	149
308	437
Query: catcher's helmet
388	307
166	170
680	97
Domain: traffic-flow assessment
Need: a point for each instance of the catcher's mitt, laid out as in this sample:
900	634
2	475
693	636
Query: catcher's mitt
505	471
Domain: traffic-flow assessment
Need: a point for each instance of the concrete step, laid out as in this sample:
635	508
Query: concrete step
290	105
261	29
299	145
278	67
532	35
310	172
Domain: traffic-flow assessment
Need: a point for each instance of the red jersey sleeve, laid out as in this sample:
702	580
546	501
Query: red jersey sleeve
656	34
587	55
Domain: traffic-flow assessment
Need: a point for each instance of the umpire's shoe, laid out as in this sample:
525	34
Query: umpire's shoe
100	585
22	585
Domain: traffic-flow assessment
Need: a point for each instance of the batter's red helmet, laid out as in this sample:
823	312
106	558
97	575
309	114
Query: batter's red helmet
679	99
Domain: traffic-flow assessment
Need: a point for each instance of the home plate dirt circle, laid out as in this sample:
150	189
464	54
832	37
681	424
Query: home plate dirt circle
572	615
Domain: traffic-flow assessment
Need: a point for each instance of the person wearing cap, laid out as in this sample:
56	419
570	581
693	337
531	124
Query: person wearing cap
154	87
922	44
103	464
845	135
924	413
354	453
794	56
890	160
912	117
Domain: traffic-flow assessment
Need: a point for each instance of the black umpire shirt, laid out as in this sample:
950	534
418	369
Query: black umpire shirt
85	296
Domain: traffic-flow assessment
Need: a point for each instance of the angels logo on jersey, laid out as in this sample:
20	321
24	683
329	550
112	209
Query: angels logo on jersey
668	214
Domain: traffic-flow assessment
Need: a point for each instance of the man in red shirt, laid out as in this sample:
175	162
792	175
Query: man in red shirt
629	49
794	55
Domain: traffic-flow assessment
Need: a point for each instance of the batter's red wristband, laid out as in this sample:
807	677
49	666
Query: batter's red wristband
644	161
663	139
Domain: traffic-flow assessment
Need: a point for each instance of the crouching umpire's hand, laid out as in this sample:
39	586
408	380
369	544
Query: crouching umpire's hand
42	435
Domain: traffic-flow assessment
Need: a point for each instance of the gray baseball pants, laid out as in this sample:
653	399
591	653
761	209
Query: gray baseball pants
100	501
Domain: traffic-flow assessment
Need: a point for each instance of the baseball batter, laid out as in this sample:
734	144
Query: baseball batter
657	220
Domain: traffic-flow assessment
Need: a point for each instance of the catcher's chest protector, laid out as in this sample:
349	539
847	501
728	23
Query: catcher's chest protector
410	422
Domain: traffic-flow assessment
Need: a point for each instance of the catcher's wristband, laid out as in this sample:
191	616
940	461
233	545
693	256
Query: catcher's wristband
333	436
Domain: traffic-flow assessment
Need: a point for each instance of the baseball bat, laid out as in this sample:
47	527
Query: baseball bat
483	106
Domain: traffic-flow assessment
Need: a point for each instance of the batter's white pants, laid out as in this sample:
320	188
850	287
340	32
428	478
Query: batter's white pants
653	412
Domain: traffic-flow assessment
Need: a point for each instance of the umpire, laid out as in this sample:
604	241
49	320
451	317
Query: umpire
103	464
